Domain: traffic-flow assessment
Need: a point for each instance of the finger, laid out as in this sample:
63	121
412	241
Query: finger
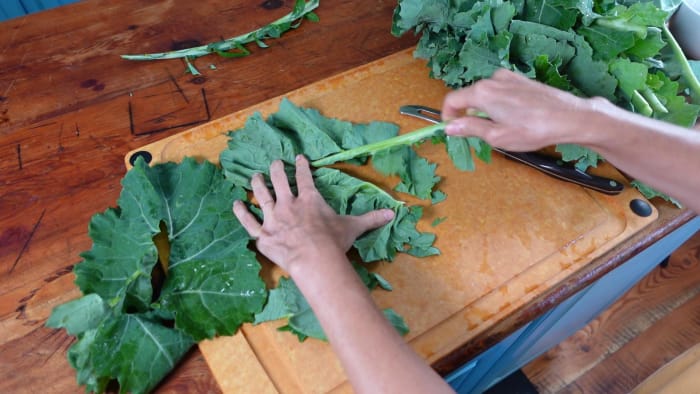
503	74
305	181
280	182
262	194
247	220
371	220
458	103
469	126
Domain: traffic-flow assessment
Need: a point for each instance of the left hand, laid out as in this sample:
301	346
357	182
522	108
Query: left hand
300	229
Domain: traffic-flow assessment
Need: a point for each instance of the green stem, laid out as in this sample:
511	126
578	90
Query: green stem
686	71
641	106
370	149
622	25
230	43
654	101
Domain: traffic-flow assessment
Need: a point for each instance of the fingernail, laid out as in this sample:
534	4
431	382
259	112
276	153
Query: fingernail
388	214
299	157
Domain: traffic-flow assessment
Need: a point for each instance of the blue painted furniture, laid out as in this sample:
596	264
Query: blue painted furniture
15	8
545	332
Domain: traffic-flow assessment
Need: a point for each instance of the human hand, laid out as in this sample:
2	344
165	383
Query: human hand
524	114
298	229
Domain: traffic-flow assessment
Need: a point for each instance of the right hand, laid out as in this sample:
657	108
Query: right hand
524	114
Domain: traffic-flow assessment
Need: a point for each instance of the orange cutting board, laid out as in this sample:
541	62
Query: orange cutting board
510	233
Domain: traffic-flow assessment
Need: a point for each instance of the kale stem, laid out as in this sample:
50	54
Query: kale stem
230	43
653	101
641	106
370	149
686	71
622	25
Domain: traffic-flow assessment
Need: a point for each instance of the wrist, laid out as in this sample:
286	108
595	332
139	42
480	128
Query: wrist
315	257
593	124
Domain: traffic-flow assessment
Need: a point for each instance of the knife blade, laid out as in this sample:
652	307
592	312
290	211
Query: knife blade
546	164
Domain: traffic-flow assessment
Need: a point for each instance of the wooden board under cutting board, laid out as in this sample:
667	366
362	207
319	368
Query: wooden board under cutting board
510	234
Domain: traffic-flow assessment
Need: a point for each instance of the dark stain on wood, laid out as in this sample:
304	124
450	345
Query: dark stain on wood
272	4
63	271
184	44
131	119
88	83
92	84
28	297
12	237
132	27
198	80
19	156
26	243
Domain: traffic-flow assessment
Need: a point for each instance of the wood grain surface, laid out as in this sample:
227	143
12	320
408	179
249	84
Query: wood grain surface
654	322
70	109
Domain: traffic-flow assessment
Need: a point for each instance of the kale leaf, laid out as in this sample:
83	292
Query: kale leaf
294	130
621	50
287	302
132	330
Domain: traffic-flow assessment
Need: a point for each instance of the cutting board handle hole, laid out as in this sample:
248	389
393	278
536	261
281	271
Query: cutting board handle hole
640	207
145	155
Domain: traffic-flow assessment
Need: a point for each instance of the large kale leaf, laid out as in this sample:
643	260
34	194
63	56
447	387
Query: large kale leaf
135	332
137	350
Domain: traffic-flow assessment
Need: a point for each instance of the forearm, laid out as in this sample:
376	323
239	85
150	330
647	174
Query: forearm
374	356
662	155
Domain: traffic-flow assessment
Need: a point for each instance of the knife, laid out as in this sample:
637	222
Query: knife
549	165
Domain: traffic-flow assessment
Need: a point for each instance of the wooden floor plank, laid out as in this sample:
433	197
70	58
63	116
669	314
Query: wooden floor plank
654	322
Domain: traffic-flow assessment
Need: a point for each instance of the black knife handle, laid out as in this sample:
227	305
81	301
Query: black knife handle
564	171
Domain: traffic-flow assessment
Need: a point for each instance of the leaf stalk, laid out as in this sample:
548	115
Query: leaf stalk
370	149
231	43
686	71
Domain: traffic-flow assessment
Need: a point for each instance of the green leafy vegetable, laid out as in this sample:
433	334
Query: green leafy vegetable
294	130
649	192
417	174
437	221
124	323
235	46
437	197
287	302
620	50
351	196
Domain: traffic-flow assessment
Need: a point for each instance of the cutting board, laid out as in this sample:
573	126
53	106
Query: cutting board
509	234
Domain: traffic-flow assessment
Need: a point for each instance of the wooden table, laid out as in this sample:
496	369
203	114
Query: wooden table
70	109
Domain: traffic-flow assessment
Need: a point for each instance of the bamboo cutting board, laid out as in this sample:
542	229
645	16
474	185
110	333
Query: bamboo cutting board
510	234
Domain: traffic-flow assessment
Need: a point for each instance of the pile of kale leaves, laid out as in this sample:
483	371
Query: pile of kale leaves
171	265
620	50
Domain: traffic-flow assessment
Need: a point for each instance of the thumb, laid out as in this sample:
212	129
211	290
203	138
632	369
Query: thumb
372	220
